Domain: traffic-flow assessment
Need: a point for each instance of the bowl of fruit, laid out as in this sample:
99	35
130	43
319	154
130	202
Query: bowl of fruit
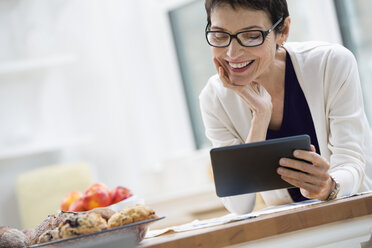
98	195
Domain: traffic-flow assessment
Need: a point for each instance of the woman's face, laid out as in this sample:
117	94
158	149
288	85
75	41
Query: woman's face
243	64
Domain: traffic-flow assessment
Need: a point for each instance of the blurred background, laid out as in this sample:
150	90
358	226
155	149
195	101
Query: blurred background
114	85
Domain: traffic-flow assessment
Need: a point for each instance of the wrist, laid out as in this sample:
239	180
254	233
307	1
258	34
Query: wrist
261	120
263	115
335	188
258	130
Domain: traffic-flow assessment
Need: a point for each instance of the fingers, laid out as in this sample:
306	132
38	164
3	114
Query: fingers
301	176
312	157
219	66
221	73
216	65
308	190
312	176
255	87
301	166
312	148
224	79
303	185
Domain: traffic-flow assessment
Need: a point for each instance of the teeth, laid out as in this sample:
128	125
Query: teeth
238	66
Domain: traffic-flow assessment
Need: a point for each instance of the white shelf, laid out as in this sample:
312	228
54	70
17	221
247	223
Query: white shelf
41	146
36	63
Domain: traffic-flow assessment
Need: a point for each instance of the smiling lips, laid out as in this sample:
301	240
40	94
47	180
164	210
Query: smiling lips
239	67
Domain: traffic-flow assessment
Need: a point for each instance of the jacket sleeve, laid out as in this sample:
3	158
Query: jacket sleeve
218	127
219	131
348	126
239	204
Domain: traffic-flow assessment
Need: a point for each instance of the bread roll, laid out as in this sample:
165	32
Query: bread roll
13	238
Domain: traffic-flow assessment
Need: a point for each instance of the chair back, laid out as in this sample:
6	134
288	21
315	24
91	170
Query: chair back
40	191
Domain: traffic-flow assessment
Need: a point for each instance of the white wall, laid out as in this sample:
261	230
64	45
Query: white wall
107	92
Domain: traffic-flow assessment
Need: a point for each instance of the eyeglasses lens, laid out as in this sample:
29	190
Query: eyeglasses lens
248	38
218	39
251	38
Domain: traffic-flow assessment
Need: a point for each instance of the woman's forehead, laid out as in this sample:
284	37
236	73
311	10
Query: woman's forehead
226	17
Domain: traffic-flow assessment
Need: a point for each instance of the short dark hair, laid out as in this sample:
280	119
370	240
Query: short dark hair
274	8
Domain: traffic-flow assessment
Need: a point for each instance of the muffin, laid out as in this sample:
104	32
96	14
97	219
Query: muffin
130	215
106	213
82	224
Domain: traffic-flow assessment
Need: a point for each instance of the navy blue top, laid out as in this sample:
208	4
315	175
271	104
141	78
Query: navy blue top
296	117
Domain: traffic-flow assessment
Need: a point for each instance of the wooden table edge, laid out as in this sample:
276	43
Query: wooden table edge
267	225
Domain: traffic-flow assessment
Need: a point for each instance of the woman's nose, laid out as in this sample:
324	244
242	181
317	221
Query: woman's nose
234	49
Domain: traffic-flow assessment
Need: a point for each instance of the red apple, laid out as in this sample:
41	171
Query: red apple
69	198
77	206
120	193
96	195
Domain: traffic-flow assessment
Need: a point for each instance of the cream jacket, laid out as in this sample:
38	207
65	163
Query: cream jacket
328	76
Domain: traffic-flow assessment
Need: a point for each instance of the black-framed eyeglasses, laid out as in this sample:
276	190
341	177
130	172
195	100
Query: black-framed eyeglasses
250	38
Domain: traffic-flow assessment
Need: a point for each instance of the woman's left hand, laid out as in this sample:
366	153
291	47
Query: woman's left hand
312	179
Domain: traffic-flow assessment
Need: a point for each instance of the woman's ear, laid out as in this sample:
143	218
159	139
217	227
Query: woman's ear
285	29
282	36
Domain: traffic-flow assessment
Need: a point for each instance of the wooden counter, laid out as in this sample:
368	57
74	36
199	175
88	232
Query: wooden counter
269	225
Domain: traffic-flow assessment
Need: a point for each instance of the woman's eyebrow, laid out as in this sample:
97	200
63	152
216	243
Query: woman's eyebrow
246	28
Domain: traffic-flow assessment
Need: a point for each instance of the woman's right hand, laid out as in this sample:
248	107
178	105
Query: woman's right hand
257	98
254	94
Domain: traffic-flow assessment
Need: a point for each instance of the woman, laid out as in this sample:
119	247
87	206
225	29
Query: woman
266	88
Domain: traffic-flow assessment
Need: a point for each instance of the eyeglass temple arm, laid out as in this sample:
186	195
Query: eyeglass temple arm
276	24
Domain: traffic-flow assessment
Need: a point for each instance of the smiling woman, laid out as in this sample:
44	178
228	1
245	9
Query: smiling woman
233	53
267	88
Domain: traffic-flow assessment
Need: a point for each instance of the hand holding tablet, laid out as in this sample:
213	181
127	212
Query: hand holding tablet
252	167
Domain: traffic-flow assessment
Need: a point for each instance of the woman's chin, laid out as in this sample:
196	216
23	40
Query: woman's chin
240	81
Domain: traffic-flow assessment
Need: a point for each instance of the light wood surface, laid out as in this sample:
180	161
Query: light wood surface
267	225
201	206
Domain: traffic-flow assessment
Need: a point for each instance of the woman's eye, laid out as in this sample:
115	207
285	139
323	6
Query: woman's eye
254	37
220	37
251	36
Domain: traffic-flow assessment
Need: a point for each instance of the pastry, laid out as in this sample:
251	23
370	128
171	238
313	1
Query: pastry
45	225
130	215
106	213
49	235
82	224
49	223
62	216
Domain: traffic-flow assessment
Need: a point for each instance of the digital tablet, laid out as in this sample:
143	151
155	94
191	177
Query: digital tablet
250	168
